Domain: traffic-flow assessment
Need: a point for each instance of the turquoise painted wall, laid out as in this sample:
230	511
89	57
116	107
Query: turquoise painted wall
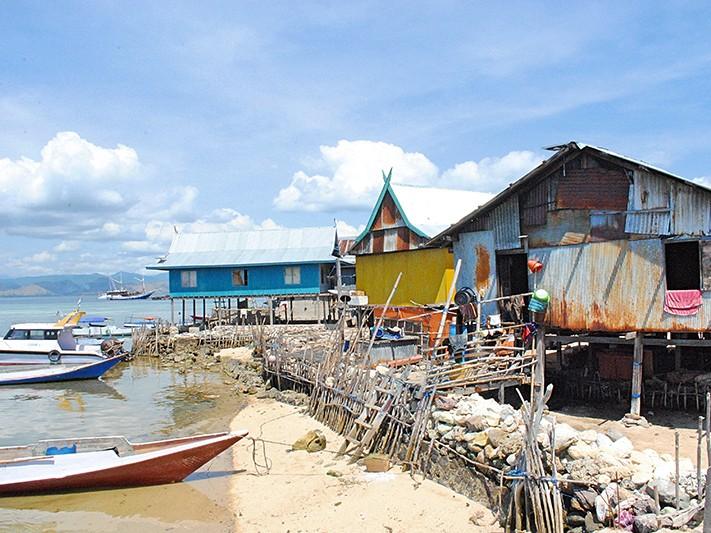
262	280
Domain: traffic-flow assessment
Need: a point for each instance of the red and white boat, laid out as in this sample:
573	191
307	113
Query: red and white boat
105	462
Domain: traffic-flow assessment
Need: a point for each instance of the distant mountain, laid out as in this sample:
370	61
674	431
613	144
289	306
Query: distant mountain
77	284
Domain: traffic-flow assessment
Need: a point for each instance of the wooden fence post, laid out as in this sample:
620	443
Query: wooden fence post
636	399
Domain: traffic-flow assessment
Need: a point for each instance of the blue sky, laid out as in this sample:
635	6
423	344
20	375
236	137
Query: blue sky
120	121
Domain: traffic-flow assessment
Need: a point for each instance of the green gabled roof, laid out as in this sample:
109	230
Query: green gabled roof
388	189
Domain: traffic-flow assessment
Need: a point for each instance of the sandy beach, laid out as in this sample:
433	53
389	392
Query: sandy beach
298	494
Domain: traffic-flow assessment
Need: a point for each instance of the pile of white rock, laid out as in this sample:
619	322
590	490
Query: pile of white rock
623	481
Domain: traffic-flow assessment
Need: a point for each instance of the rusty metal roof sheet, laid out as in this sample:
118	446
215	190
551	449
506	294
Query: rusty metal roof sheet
561	152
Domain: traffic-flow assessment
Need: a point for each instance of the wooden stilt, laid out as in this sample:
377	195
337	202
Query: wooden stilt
636	400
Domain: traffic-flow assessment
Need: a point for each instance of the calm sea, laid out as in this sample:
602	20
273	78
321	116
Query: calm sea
49	308
139	399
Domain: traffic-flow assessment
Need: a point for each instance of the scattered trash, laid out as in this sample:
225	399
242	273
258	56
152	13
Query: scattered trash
313	441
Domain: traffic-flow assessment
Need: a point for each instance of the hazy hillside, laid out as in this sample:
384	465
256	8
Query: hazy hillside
77	284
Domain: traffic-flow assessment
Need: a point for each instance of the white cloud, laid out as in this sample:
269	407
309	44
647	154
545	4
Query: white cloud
77	191
344	229
42	257
491	174
66	246
703	180
352	175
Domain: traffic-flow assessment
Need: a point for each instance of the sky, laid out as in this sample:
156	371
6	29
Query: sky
124	122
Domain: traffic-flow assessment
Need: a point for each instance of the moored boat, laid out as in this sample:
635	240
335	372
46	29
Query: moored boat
118	292
39	343
105	462
57	373
98	327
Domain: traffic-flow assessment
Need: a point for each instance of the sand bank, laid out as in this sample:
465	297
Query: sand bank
299	495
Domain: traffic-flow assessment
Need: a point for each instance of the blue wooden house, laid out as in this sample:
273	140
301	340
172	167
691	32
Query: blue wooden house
282	263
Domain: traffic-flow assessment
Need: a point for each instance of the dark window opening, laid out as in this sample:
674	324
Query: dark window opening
239	278
682	265
512	270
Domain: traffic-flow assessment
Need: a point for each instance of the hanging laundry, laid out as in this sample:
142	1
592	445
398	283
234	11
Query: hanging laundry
682	302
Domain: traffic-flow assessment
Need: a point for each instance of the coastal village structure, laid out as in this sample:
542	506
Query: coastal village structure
284	264
626	252
395	239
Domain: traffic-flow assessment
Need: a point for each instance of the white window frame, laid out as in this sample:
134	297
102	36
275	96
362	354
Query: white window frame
292	275
188	279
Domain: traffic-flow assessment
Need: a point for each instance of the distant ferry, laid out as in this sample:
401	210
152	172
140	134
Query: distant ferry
118	292
46	343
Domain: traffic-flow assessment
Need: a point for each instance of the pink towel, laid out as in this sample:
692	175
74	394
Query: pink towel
682	303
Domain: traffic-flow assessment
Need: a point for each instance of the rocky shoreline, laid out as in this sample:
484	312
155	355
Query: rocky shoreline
608	481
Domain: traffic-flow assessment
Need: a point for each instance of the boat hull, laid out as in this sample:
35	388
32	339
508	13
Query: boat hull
152	468
16	357
142	296
58	373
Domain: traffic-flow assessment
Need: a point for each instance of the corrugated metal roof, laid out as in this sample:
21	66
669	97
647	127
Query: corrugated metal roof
258	247
638	162
700	202
431	209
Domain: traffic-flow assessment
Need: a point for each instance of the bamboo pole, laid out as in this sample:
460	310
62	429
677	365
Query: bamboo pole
676	466
382	317
699	438
450	295
636	401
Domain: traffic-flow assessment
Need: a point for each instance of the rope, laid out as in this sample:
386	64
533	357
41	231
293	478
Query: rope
266	467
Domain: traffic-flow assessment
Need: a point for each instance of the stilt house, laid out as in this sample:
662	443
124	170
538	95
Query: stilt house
286	264
625	248
395	239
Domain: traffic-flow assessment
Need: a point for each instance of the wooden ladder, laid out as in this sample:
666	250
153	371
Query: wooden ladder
378	403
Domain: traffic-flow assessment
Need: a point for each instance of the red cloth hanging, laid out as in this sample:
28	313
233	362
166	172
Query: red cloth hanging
682	302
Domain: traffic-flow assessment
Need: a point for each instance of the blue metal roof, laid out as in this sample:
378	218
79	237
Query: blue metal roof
250	248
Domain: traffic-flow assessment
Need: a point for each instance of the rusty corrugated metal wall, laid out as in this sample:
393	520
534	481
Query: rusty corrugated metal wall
504	220
477	251
662	206
611	286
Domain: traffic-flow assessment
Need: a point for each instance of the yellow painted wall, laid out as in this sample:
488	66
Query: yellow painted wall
426	276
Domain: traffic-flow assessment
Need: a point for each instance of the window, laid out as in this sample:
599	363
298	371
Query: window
390	240
682	265
51	334
292	275
239	277
18	334
37	334
188	278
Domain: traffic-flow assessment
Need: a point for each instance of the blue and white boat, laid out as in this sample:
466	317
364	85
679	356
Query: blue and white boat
38	343
98	327
56	373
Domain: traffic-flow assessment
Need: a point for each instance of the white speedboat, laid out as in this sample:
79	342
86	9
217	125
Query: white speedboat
98	327
38	343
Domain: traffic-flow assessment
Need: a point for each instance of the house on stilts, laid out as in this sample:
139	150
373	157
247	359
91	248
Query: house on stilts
395	240
291	269
626	254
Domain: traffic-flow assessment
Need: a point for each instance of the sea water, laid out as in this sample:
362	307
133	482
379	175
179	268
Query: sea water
139	399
